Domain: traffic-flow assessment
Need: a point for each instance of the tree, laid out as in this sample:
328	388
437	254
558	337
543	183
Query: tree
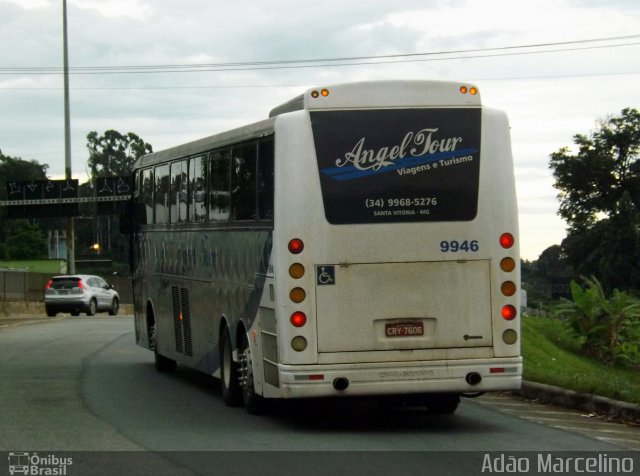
25	241
16	169
110	155
113	153
600	200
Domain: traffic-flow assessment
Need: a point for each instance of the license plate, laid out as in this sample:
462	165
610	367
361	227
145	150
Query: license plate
404	329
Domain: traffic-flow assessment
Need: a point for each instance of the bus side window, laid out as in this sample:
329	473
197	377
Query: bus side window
179	191
161	194
146	196
265	180
243	182
219	203
197	190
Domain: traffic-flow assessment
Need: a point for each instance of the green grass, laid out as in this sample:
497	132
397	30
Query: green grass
51	266
551	356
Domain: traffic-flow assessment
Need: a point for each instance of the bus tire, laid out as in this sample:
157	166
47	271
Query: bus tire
229	384
164	364
254	404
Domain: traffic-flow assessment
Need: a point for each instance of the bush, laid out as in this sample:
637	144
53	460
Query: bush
608	328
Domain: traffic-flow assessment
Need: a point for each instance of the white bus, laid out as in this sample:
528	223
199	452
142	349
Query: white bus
361	241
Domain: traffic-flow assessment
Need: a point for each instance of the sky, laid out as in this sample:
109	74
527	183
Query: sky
556	67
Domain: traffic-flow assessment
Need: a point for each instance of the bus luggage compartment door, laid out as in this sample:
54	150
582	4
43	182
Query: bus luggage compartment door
393	306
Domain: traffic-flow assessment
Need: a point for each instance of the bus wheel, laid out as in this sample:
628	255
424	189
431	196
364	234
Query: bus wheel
442	404
253	403
163	364
228	372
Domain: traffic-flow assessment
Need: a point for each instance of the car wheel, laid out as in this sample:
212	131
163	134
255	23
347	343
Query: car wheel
93	307
115	306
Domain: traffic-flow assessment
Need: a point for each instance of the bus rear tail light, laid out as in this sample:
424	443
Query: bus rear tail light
298	319
507	240
296	246
509	312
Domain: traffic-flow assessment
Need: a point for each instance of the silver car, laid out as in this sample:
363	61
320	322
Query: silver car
80	293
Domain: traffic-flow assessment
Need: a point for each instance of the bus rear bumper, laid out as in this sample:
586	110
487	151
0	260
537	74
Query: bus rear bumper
394	378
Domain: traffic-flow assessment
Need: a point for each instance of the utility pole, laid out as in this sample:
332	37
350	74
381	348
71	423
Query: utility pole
71	259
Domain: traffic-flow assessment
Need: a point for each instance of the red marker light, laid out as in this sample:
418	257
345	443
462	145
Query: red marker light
296	246
507	240
298	319
509	312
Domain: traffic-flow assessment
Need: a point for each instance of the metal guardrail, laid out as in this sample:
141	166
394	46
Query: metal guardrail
19	285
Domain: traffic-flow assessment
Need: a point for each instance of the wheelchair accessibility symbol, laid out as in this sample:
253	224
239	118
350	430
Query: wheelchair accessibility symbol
325	275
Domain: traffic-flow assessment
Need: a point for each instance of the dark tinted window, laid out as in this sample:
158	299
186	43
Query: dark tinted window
265	180
161	194
179	194
398	165
146	194
219	201
243	182
197	189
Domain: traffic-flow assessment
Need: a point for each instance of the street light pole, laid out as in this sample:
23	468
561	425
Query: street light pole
71	261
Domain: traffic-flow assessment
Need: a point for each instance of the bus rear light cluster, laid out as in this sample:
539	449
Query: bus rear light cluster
297	295
508	288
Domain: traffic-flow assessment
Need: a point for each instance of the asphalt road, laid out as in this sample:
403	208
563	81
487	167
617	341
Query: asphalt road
82	385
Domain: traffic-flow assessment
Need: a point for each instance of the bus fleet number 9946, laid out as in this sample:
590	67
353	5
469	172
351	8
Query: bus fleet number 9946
455	246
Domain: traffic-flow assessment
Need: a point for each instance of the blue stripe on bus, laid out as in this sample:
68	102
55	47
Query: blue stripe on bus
351	172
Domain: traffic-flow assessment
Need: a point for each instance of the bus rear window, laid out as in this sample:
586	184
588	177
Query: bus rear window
382	166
